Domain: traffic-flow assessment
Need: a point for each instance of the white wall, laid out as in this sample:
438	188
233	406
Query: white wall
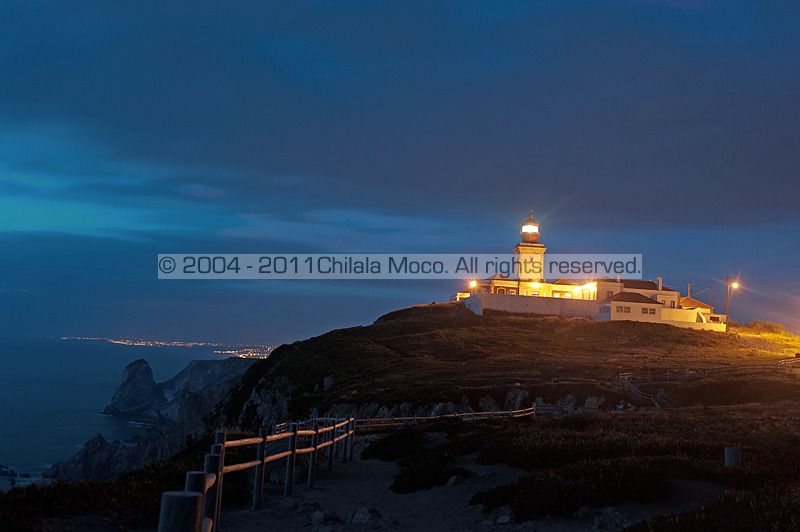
478	303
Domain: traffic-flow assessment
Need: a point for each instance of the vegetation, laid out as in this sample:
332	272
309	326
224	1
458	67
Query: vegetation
597	460
429	354
131	501
769	335
422	468
602	459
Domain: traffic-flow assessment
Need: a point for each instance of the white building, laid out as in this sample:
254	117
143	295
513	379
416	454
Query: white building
602	299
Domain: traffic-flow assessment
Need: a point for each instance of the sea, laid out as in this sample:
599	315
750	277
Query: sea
52	392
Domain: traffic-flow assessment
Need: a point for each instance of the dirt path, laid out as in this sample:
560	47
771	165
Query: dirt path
356	497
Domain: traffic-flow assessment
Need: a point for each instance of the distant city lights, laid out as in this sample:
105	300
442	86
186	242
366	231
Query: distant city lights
236	350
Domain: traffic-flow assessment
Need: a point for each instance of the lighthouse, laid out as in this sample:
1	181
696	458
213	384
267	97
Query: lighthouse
529	253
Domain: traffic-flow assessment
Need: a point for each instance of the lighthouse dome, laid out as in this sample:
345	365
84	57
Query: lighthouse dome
530	230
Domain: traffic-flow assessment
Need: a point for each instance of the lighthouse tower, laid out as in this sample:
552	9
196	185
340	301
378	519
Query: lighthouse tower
530	253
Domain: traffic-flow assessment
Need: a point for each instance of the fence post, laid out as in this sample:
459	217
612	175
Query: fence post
732	457
352	436
312	460
258	483
331	447
345	441
212	465
196	481
181	511
290	460
219	439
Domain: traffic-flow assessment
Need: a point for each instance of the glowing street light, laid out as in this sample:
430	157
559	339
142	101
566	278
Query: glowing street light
472	285
730	285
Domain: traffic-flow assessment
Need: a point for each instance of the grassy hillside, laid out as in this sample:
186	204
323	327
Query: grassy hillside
442	352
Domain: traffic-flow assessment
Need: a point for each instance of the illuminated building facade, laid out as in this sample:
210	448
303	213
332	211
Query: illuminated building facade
529	281
602	299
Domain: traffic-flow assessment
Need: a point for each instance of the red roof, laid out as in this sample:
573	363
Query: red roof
690	302
632	297
637	284
497	277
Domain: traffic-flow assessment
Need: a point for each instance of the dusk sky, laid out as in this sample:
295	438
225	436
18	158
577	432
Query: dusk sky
129	129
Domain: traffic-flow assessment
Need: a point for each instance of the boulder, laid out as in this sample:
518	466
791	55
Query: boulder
137	396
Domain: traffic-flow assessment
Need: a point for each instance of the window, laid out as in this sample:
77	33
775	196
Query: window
534	293
512	291
644	310
652	311
672	304
604	310
627	310
609	293
619	308
501	290
568	295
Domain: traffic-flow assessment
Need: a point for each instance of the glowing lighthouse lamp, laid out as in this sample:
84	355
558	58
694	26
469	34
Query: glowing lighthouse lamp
530	230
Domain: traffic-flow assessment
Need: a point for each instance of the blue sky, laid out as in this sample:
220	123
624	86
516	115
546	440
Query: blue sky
667	128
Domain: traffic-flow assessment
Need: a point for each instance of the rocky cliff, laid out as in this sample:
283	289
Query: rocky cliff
192	394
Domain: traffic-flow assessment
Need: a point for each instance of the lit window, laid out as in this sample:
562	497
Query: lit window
644	310
652	311
619	308
627	310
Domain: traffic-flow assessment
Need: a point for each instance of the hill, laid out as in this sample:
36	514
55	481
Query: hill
443	358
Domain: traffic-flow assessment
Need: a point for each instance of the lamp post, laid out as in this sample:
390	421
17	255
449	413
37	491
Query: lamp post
730	285
472	286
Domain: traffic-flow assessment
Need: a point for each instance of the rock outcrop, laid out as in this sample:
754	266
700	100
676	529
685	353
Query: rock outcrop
137	396
193	392
103	460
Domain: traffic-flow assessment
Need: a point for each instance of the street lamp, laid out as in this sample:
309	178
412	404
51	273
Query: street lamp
472	285
730	285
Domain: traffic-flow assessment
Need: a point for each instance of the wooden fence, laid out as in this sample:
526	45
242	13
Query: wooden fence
389	422
627	385
197	507
782	366
785	351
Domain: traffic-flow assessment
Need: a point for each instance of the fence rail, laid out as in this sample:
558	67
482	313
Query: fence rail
782	351
197	507
782	366
625	382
